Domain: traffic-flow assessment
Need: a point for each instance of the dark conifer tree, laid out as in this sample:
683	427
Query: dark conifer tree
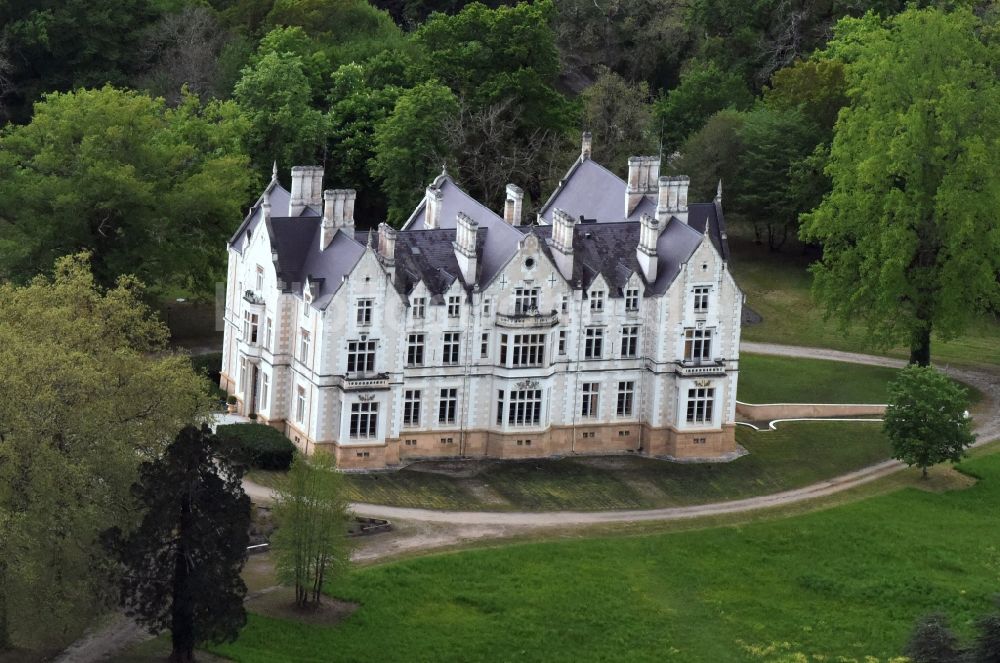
986	648
182	564
933	641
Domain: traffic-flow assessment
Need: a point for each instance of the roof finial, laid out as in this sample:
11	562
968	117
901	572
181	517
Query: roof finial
274	172
718	192
444	168
371	243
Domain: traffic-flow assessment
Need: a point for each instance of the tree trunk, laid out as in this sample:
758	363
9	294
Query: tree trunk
182	609
5	642
920	346
924	468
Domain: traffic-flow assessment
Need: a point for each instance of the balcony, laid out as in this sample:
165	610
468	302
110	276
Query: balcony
702	367
366	382
251	297
528	319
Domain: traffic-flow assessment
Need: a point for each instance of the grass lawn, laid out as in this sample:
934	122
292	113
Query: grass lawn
772	379
777	286
797	454
844	582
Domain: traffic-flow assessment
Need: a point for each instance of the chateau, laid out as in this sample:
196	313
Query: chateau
608	324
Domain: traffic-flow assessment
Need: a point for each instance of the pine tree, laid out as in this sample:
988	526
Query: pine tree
933	641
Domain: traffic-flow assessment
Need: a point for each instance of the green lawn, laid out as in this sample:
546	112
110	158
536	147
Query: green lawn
797	454
772	379
777	286
844	582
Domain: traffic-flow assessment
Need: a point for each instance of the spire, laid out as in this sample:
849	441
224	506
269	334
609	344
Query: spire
274	172
718	192
371	239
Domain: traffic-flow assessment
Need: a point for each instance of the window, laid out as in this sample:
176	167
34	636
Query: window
419	308
591	396
701	299
561	347
630	342
268	334
525	300
700	402
503	349
364	420
243	374
484	345
596	301
500	407
626	398
487	308
365	307
411	407
265	384
593	347
410	443
304	338
564	304
250	324
525	407
450	355
260	278
632	299
361	356
415	350
528	350
300	405
454	307
447	406
447	440
697	345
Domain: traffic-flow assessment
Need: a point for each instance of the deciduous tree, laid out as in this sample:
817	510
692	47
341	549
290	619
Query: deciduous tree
619	115
926	419
910	240
182	564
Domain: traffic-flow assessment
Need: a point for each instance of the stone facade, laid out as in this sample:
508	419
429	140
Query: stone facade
475	334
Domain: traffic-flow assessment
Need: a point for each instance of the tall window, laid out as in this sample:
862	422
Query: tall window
361	356
525	300
596	301
260	278
364	420
525	407
251	321
593	346
448	406
304	340
701	299
591	396
450	351
564	304
561	346
265	384
500	407
528	350
411	407
697	345
415	350
419	308
269	334
484	345
454	306
300	405
630	341
243	374
487	307
700	403
632	299
365	307
626	398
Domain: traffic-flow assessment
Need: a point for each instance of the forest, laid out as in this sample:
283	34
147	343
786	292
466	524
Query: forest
141	130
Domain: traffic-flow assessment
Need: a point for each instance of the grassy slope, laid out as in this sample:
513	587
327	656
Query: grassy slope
777	287
770	379
843	582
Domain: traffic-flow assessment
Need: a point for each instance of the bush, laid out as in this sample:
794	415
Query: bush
208	364
256	445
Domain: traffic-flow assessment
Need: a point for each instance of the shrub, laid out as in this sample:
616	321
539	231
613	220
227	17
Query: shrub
231	399
208	364
256	445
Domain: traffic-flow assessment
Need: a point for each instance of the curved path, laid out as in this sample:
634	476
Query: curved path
987	428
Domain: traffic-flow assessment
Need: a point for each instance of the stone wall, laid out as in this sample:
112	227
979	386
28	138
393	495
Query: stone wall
772	411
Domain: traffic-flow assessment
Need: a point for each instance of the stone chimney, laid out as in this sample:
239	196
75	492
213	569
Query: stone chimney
643	173
513	205
338	213
432	208
645	253
586	144
465	247
562	242
387	247
307	189
672	199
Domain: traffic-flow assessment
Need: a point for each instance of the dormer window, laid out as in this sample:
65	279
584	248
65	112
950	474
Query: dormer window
596	301
419	308
365	307
632	299
701	299
525	300
454	307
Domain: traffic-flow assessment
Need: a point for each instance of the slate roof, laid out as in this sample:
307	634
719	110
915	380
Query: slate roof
428	256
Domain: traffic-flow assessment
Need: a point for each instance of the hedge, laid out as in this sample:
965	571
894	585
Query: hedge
258	445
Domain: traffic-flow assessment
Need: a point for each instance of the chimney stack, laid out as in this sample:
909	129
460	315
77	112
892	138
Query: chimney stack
645	253
562	242
672	198
585	145
465	247
307	189
432	208
338	213
643	173
513	205
387	247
